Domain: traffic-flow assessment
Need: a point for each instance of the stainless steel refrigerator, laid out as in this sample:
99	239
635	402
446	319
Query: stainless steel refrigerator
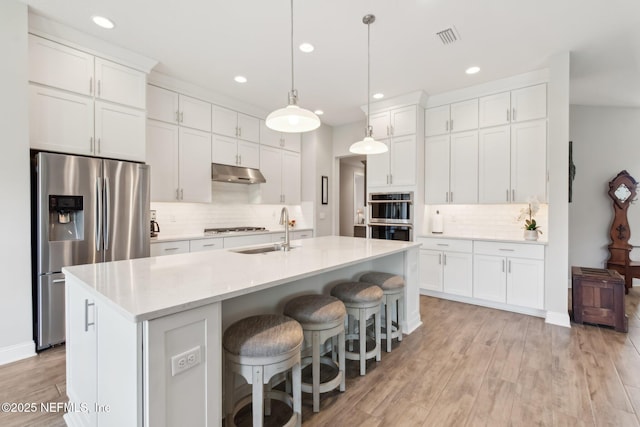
84	210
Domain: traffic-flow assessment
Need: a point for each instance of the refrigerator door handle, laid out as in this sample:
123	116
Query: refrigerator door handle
107	212
98	214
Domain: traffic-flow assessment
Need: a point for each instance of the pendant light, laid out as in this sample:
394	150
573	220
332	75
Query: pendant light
368	145
292	118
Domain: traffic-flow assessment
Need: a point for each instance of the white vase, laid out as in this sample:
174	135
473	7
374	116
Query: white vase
531	235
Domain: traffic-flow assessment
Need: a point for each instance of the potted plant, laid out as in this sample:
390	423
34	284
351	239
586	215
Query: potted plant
531	228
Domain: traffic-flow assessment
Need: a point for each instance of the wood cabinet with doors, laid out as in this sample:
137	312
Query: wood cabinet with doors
234	124
281	169
451	168
456	117
172	107
520	105
180	160
510	273
235	152
285	140
446	265
82	104
512	163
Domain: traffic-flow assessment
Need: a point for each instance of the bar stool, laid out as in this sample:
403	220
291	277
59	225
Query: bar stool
392	286
322	317
362	301
258	348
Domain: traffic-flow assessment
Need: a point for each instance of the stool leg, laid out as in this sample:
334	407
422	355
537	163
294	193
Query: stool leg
228	396
334	349
267	400
315	369
350	329
400	316
257	395
389	320
376	320
363	341
341	362
297	392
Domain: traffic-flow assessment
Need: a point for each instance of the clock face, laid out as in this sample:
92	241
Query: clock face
622	193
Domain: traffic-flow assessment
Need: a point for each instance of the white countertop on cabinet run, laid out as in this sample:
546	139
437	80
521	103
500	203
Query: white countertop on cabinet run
196	236
484	239
148	288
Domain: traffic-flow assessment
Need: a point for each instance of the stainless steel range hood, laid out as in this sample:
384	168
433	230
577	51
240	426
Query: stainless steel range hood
236	174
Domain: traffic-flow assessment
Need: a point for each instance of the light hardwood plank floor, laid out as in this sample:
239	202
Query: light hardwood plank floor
466	366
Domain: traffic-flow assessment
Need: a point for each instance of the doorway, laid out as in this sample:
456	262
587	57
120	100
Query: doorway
352	206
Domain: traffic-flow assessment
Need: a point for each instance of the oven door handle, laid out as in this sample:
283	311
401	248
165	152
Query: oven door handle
410	202
390	224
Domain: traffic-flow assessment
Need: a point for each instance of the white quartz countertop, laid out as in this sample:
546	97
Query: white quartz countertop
196	236
484	239
148	288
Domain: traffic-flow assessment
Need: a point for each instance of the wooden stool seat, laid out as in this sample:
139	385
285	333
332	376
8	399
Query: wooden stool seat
322	317
258	348
393	300
362	301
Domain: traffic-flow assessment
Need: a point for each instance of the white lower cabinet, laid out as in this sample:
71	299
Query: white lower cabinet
509	274
169	248
201	245
446	265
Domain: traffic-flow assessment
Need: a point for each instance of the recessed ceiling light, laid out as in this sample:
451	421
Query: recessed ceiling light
378	95
240	79
472	70
103	22
306	47
319	112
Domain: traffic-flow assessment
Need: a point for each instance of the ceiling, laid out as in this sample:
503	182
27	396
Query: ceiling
208	42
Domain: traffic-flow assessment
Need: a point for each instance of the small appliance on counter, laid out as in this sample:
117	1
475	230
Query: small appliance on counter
437	223
155	227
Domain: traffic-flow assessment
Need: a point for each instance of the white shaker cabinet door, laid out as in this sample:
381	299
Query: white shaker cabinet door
494	168
436	120
292	141
120	84
436	174
430	263
162	155
463	173
380	124
458	274
403	160
525	282
248	154
464	116
224	121
56	65
291	177
271	168
195	113
248	128
490	278
224	150
495	110
270	137
529	161
60	121
162	104
378	168
119	132
195	165
403	121
529	103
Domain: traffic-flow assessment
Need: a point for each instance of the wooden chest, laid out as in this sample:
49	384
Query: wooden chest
598	297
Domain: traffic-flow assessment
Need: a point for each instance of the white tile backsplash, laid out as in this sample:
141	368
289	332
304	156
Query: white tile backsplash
484	221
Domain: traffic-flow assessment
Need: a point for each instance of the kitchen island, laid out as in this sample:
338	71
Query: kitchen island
144	335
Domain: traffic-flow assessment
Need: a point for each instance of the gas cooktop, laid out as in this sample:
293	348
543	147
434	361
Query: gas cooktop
212	231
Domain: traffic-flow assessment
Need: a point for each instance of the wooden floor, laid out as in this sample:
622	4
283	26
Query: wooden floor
466	366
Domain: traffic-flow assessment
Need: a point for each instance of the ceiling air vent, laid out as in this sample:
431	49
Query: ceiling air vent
448	36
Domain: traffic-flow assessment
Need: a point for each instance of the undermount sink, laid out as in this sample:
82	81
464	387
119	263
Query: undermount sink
261	249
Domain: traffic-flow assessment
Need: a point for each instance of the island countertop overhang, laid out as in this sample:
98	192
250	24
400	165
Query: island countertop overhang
148	288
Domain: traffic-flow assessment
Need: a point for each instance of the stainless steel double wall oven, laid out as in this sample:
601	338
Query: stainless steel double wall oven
391	216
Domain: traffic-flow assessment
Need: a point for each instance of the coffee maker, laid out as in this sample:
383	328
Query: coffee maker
155	228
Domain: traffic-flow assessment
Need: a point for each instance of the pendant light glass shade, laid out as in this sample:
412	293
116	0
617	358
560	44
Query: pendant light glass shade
368	145
292	118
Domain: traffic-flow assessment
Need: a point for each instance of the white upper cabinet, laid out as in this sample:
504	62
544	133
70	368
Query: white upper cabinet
291	174
195	165
172	107
436	170
118	132
288	141
231	123
378	168
519	105
234	152
395	122
457	117
281	170
528	161
120	84
494	165
403	160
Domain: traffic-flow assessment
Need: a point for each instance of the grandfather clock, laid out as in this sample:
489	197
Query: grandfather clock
622	190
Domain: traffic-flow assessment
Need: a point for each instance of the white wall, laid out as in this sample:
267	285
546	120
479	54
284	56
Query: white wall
606	140
317	149
16	338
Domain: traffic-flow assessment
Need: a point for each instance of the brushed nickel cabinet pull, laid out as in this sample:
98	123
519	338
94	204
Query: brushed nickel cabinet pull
182	194
507	194
88	304
90	85
503	266
446	125
513	195
508	115
439	259
99	87
451	126
513	114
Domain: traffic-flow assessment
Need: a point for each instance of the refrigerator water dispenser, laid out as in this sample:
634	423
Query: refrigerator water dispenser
66	218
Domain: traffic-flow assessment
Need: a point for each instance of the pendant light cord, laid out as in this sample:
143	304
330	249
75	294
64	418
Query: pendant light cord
368	74
292	86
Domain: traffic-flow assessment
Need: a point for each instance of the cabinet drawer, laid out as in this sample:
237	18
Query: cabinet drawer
170	248
516	250
302	235
450	245
205	244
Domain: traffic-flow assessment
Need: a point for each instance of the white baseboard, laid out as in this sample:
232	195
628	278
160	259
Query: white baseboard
556	318
17	352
